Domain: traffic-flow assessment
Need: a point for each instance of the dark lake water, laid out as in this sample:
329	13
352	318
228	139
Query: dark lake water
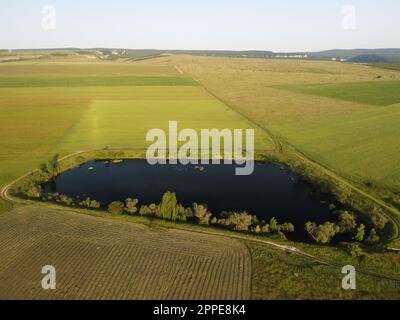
271	191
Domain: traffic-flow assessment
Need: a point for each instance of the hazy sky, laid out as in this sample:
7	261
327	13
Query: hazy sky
280	25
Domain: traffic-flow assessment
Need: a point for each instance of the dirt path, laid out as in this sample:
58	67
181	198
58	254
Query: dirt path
4	191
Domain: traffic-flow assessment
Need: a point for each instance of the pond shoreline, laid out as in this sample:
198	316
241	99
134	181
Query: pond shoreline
318	181
273	191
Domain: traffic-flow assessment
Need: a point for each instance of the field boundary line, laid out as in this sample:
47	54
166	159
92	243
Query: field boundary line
179	70
276	145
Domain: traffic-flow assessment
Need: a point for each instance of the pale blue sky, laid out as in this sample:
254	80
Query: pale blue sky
280	25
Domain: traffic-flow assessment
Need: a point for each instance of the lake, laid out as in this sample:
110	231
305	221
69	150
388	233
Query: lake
271	191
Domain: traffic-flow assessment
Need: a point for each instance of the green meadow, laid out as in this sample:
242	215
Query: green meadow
379	93
124	124
90	81
363	144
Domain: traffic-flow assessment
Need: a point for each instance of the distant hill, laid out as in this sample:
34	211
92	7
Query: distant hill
355	55
383	55
367	58
391	55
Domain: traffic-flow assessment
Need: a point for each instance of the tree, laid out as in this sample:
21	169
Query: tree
373	237
201	213
265	229
168	208
182	213
131	206
273	225
311	227
360	233
255	220
45	172
343	194
347	222
116	207
323	233
378	219
239	221
33	191
53	166
286	227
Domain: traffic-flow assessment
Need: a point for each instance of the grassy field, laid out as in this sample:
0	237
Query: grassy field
387	66
103	258
340	122
97	258
84	67
349	122
363	144
379	93
280	275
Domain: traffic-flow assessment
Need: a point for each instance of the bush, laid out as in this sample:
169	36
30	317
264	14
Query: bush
201	213
275	227
257	229
131	206
33	191
90	204
286	227
148	210
282	236
66	200
354	251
